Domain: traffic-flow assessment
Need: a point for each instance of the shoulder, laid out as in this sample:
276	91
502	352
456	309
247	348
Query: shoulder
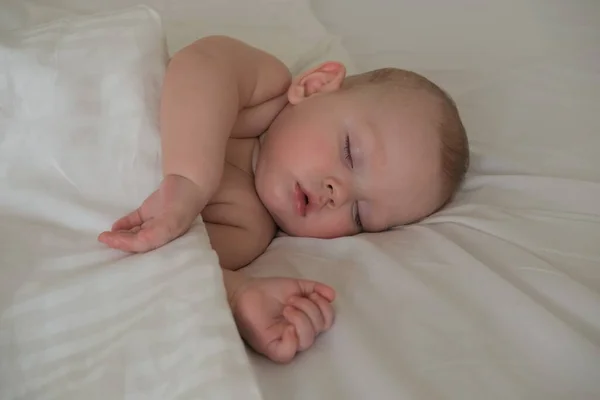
253	121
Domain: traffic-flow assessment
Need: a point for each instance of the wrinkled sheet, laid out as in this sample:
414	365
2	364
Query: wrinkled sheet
79	147
497	297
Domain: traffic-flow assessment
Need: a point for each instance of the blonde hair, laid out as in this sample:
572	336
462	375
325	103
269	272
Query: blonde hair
453	137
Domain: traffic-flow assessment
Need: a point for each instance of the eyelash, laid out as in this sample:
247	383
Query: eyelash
357	220
347	152
348	156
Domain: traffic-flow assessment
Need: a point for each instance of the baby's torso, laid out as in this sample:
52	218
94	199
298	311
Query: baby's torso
237	183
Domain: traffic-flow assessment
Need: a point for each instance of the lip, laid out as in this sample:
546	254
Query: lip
299	200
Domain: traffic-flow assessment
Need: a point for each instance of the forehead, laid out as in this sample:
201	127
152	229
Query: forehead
402	179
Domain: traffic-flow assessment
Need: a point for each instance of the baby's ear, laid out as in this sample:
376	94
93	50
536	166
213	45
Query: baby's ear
327	77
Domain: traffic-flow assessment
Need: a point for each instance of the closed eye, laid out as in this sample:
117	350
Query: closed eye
348	156
357	220
348	152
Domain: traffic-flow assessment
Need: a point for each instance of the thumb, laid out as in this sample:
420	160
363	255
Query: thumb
284	349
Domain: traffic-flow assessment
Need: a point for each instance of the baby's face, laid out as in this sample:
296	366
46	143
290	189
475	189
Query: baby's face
342	162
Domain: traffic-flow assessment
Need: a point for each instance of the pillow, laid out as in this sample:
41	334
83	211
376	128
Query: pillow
285	28
92	84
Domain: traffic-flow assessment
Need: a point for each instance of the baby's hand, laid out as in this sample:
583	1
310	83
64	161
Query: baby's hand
164	216
279	317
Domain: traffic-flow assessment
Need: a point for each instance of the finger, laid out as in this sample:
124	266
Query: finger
148	238
325	291
128	222
121	241
304	328
108	237
111	240
284	348
308	287
326	310
312	311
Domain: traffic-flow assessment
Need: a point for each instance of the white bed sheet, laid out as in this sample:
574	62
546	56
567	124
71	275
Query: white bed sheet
496	297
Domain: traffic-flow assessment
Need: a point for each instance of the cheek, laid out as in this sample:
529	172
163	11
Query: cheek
303	141
313	153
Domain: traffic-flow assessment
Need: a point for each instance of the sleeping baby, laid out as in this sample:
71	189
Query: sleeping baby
322	155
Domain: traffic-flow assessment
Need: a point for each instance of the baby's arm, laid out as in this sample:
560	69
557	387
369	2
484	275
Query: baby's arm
215	88
208	86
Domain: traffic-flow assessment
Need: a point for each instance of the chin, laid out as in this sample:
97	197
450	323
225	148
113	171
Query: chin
288	228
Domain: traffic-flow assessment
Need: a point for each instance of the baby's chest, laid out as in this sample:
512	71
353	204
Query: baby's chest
236	185
236	199
236	203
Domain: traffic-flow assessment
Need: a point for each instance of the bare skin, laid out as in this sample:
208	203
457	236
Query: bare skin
218	96
331	163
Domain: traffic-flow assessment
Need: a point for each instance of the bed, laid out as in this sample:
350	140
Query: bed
495	297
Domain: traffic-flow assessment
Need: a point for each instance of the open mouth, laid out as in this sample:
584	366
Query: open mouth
301	200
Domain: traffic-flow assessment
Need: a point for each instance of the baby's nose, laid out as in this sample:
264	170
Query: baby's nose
336	194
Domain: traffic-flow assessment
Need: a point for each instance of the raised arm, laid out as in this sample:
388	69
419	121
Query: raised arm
209	85
214	88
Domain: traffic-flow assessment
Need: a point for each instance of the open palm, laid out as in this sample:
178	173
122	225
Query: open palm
164	216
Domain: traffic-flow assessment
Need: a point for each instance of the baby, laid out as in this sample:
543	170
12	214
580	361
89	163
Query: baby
323	155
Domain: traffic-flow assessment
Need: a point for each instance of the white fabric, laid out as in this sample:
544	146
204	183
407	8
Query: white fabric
286	28
79	146
497	296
